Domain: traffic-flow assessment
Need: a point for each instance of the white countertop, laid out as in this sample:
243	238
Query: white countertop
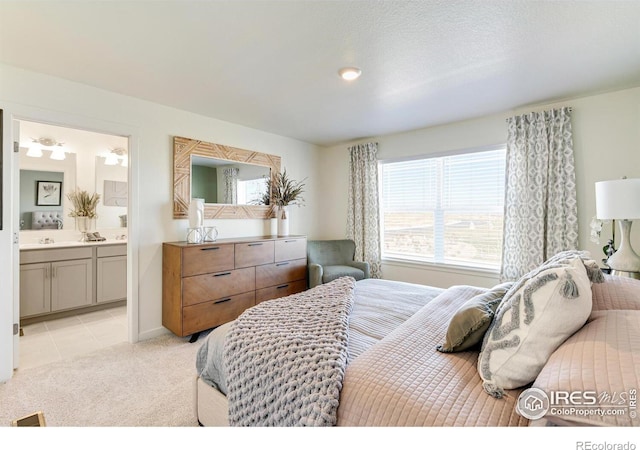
61	244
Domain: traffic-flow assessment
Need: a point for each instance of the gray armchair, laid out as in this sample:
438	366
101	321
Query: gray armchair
329	260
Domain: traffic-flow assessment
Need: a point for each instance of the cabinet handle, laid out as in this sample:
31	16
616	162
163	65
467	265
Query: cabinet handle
222	301
283	286
210	248
289	242
222	274
46	272
53	272
255	244
282	264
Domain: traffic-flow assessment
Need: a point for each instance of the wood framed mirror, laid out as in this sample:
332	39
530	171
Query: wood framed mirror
220	161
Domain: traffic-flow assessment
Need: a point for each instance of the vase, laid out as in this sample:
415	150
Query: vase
196	213
83	224
283	221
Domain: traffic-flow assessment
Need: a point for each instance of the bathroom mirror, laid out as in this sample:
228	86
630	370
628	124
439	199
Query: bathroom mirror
199	172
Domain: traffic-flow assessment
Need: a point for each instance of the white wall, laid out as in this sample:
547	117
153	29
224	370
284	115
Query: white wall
154	127
606	130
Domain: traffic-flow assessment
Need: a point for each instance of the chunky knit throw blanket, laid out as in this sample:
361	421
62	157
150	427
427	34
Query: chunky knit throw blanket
286	358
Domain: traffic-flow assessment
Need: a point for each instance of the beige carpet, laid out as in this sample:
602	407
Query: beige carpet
149	384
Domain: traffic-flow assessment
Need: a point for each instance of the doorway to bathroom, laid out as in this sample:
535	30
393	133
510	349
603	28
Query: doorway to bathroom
73	240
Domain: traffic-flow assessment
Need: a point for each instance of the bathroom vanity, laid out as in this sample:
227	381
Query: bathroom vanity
58	279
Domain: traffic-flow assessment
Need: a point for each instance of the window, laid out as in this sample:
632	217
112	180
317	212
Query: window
446	210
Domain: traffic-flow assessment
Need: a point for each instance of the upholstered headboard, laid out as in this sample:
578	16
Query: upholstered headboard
46	220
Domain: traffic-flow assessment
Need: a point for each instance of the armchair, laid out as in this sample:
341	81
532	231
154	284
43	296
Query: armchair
329	260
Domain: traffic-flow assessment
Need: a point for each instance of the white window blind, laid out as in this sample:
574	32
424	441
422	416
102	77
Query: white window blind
445	210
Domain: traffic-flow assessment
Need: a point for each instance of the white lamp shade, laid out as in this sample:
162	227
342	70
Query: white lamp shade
618	199
57	153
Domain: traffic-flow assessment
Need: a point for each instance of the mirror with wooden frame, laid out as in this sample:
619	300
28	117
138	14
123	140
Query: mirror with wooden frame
218	161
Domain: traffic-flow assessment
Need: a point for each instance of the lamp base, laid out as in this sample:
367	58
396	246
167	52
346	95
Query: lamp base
625	258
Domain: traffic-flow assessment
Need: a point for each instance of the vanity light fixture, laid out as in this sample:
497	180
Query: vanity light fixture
35	150
114	155
349	73
56	148
58	153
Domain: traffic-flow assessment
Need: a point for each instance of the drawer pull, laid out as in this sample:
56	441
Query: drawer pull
255	244
210	248
222	301
222	274
282	264
289	242
283	286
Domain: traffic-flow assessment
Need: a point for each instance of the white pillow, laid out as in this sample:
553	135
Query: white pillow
537	315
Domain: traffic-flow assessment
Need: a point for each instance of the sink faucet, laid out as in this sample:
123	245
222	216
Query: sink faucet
59	221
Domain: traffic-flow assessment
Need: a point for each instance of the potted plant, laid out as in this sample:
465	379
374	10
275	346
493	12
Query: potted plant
286	192
84	209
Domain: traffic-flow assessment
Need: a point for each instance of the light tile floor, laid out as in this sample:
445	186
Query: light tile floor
59	339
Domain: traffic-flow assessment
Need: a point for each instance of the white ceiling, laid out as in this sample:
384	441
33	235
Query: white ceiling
272	65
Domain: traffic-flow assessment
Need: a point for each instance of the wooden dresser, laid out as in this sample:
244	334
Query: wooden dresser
206	285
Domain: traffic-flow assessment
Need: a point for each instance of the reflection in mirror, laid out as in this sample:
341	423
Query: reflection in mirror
33	170
111	184
82	165
36	214
229	182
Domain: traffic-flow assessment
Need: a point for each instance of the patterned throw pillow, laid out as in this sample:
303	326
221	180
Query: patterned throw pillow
469	324
538	314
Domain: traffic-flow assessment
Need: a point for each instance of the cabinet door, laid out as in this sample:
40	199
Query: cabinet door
71	284
111	279
35	289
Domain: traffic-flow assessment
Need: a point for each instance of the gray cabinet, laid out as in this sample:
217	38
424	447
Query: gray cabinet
111	272
55	280
64	279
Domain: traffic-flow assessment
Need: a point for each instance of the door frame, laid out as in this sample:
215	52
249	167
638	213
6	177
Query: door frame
11	196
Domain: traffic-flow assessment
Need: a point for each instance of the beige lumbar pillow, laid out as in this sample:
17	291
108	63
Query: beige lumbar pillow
543	309
469	324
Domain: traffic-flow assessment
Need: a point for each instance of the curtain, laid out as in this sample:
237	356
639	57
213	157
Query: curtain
231	185
363	220
541	214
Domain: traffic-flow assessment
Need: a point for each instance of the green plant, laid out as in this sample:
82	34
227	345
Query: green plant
84	205
287	191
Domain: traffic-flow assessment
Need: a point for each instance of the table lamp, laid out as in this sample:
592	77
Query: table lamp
620	200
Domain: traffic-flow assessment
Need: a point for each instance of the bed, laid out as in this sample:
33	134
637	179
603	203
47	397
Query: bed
394	376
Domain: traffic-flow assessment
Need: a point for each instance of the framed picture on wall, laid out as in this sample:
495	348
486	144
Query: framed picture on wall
48	193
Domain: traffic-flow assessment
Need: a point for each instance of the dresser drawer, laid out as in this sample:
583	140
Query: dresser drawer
207	315
207	259
290	249
254	253
281	272
281	290
211	286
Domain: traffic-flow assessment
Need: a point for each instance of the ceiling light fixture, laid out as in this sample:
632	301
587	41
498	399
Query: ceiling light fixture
349	73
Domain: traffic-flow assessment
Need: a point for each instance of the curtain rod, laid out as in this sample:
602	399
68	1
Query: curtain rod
569	108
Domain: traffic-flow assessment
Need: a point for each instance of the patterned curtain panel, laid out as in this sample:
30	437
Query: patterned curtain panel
363	223
231	185
541	213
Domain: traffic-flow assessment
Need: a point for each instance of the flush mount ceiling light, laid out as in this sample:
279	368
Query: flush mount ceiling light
349	73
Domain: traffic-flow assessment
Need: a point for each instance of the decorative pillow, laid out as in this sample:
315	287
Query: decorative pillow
469	324
539	313
600	366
